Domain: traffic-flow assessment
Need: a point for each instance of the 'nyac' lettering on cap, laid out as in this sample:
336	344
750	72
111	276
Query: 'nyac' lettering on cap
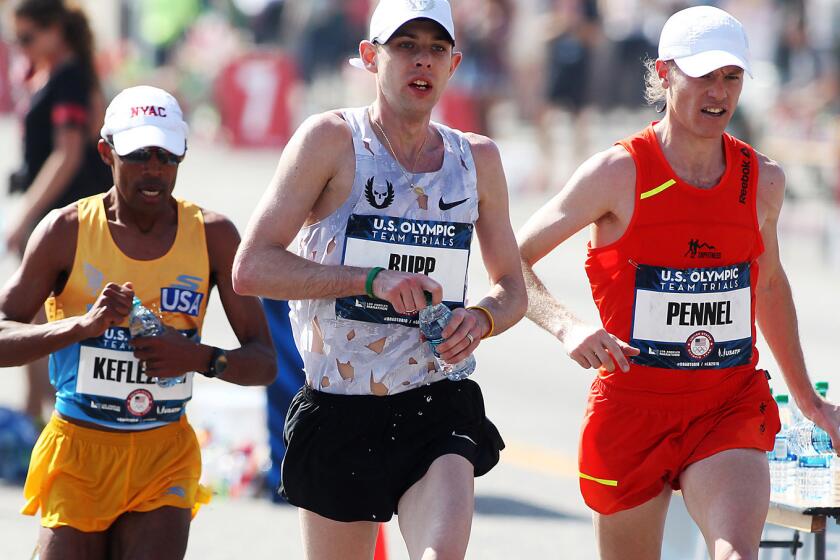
145	116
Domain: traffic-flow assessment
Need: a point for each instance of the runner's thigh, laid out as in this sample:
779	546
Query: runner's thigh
325	539
160	534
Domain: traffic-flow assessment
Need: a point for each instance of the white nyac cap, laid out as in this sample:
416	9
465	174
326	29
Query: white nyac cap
390	15
143	116
702	39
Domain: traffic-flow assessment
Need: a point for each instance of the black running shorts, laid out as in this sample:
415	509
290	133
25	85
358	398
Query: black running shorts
351	457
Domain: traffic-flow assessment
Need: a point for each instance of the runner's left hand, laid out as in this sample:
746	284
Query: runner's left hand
168	355
826	415
457	346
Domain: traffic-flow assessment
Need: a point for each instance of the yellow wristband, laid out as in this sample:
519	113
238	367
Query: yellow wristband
489	319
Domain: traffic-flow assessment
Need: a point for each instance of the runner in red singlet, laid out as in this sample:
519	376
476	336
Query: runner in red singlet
683	262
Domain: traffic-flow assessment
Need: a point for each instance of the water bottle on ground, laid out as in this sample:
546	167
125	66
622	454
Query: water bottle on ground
781	460
142	322
433	319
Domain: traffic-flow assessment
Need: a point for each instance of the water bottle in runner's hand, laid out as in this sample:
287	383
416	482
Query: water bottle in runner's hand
806	438
433	319
142	322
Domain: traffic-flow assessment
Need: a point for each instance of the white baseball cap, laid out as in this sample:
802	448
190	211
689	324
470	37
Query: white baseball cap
390	15
143	116
702	39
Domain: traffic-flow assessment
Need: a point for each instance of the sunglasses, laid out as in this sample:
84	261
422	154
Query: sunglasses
144	155
25	39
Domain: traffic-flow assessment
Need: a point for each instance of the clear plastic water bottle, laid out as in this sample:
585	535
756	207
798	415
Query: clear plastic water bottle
814	478
787	414
433	319
806	438
142	322
814	474
781	460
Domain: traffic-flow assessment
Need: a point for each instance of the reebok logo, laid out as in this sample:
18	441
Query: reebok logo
450	205
746	165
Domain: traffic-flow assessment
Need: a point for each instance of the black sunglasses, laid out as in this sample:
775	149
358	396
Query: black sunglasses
25	39
144	155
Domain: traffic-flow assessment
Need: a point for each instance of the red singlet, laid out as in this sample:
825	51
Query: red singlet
680	286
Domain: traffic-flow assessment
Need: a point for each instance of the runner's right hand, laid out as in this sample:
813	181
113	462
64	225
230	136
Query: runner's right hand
109	309
592	348
404	290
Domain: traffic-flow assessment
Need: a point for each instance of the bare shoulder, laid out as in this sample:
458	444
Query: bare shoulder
51	248
327	130
611	168
59	230
489	171
219	229
771	178
483	148
216	223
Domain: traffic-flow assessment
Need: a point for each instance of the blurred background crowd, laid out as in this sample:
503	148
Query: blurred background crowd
247	71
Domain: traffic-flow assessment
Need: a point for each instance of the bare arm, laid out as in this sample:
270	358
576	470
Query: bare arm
253	363
596	194
315	169
48	257
506	300
775	311
308	167
56	173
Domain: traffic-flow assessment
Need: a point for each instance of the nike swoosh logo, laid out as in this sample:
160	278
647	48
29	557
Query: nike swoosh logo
466	437
450	205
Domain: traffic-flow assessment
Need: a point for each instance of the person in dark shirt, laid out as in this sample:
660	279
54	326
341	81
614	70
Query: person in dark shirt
60	160
61	163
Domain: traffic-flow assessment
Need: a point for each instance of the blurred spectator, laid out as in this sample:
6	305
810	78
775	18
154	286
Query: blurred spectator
329	34
631	28
290	378
61	129
264	18
5	85
484	28
161	23
570	29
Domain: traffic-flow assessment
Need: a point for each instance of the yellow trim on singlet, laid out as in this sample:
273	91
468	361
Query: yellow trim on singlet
655	191
603	481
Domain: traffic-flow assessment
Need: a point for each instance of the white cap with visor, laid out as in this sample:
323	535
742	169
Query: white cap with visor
145	116
390	15
702	39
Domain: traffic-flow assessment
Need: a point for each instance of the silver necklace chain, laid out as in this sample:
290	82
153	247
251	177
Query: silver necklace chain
405	172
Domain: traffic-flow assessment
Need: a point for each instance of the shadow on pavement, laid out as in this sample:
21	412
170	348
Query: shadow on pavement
501	505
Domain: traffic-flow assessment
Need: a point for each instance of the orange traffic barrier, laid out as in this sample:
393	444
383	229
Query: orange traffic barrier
381	550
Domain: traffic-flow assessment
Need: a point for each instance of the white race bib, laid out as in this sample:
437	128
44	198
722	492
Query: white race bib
440	250
693	317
